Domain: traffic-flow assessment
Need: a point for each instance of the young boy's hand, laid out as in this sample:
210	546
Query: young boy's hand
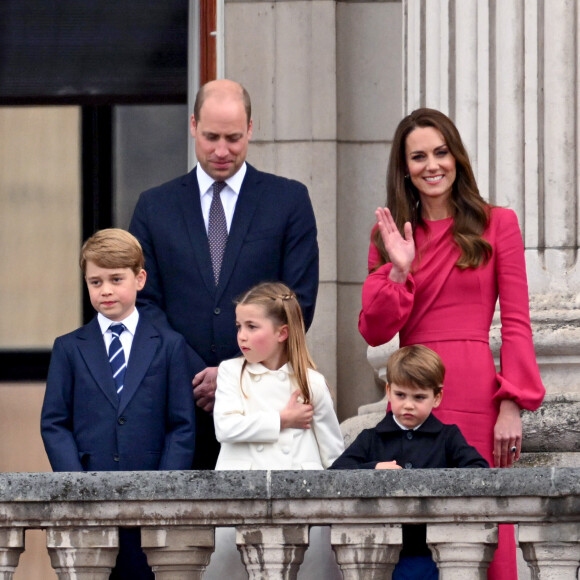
295	414
387	465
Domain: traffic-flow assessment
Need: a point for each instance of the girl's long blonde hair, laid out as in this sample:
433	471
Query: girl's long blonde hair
282	308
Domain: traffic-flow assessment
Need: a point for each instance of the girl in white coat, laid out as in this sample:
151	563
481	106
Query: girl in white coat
273	410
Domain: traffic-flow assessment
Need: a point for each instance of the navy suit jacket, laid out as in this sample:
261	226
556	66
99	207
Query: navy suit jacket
433	445
86	426
272	238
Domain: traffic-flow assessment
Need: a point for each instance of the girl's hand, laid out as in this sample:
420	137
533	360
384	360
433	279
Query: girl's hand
296	415
401	250
507	434
387	465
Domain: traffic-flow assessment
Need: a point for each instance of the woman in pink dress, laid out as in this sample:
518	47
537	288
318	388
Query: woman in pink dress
440	256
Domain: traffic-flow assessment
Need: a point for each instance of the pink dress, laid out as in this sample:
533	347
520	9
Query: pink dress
450	310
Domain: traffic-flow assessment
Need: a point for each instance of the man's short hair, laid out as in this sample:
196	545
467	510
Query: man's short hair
113	248
416	366
201	96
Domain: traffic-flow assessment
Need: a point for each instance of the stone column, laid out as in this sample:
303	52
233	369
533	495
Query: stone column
507	72
462	551
365	552
83	554
178	552
11	546
272	553
551	550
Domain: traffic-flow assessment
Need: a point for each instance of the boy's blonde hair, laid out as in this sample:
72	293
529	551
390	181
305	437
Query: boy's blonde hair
416	366
113	248
282	308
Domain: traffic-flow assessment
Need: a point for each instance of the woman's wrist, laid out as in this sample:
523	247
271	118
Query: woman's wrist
398	275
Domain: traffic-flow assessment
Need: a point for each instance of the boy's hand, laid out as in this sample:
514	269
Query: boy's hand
387	465
204	385
296	415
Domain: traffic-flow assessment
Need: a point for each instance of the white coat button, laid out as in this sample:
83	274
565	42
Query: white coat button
285	449
259	448
257	378
281	375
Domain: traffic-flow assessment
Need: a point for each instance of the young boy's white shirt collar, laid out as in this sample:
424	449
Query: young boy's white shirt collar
130	324
405	428
229	195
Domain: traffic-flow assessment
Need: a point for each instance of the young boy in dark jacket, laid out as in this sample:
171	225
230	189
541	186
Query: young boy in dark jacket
410	437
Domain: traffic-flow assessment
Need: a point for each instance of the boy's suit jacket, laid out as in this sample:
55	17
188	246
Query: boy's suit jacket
86	426
433	445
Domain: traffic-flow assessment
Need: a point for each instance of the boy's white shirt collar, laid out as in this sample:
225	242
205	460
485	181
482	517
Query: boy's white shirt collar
403	427
130	323
234	182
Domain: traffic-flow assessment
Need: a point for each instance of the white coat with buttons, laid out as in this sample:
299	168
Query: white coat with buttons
248	427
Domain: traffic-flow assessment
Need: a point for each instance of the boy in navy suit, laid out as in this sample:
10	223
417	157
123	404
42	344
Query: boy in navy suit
118	394
410	437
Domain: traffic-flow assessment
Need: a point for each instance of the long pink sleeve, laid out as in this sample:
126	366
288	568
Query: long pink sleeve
519	378
386	305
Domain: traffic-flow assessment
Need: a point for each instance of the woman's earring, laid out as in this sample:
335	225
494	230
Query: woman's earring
407	176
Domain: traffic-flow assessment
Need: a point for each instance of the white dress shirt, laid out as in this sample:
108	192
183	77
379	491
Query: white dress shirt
229	194
126	337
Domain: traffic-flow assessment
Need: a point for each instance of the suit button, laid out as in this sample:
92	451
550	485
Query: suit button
409	435
213	348
408	466
115	458
259	448
217	310
121	420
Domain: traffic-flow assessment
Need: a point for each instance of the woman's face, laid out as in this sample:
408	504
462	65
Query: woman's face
430	165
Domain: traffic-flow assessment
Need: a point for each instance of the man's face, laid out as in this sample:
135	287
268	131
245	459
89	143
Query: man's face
221	136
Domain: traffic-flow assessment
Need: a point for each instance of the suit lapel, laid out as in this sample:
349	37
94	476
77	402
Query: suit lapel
246	206
190	205
145	344
92	348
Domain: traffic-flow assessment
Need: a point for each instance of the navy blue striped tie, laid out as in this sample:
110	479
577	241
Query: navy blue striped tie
117	356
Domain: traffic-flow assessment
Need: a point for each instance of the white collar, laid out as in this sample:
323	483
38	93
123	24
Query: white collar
234	182
260	369
405	428
130	323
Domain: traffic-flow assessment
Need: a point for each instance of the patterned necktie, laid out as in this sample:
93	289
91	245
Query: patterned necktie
117	356
217	230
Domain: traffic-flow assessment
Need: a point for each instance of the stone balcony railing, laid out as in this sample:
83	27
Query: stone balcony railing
272	511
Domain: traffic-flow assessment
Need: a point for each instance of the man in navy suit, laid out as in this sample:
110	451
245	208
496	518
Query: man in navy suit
271	236
134	414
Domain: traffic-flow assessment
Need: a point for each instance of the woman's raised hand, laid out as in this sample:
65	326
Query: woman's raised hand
401	250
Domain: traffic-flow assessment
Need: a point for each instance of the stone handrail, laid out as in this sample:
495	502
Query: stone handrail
272	511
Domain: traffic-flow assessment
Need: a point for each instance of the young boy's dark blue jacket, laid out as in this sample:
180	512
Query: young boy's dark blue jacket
432	445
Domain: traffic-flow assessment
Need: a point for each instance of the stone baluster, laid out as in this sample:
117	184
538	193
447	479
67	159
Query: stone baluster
178	552
83	554
365	552
11	546
462	551
551	550
272	553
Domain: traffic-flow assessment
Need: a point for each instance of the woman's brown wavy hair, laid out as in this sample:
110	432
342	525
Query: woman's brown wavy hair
469	210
